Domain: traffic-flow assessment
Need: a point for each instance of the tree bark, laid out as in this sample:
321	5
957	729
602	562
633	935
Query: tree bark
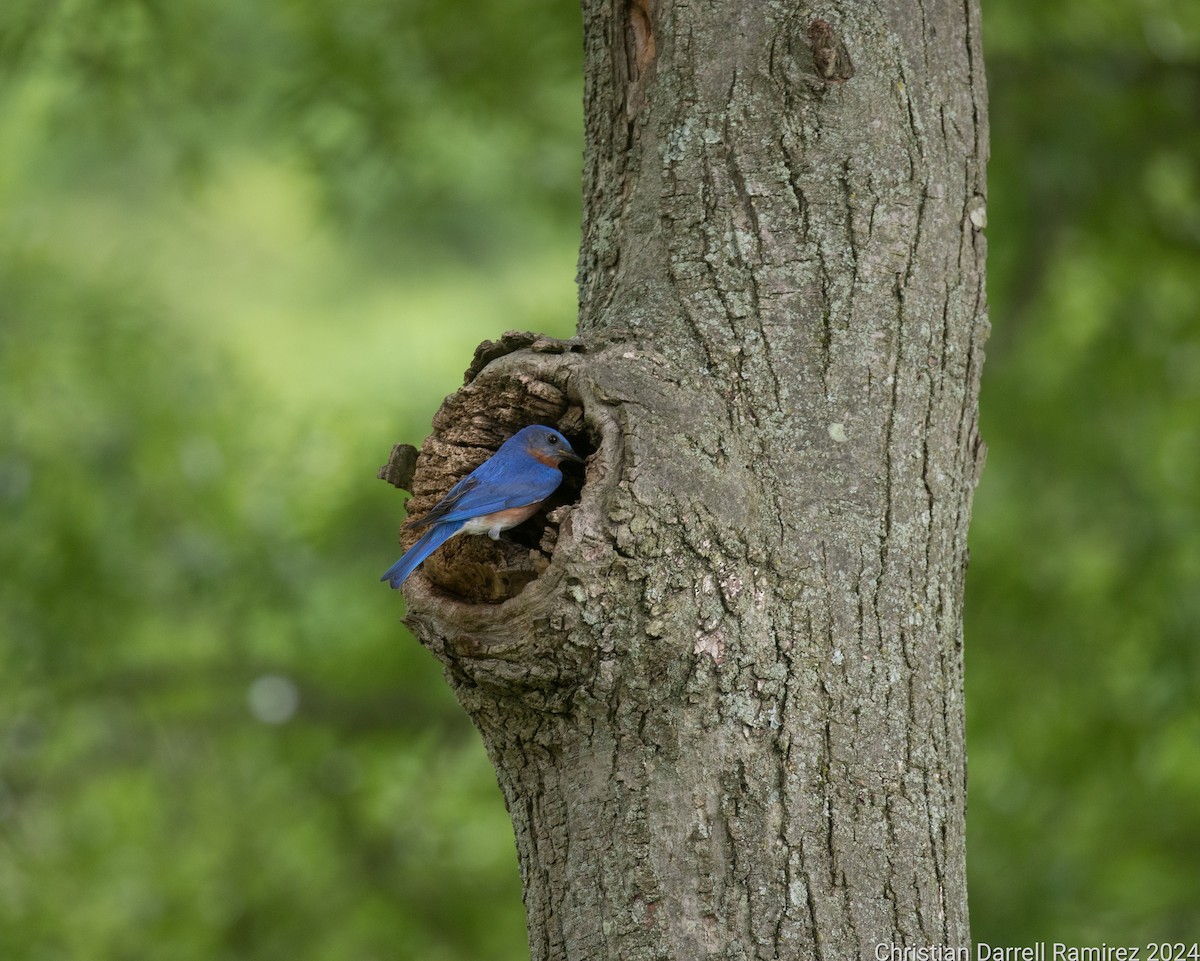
721	682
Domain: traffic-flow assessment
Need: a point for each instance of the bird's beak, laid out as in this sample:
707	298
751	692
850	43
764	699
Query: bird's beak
572	456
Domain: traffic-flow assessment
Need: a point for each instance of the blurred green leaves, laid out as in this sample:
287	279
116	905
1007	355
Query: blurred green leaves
405	114
246	247
176	535
244	250
1082	609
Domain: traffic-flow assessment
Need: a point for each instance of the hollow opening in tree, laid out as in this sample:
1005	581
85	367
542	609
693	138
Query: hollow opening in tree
469	428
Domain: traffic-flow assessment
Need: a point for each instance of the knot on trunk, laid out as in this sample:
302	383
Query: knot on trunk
499	611
467	430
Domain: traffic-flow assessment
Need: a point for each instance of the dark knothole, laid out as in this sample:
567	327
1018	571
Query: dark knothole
476	569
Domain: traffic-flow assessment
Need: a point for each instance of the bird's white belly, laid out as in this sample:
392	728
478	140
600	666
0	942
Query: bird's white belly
493	524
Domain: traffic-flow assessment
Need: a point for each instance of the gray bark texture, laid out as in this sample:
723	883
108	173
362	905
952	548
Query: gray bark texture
720	678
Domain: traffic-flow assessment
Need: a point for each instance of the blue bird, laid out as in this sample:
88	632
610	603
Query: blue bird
500	493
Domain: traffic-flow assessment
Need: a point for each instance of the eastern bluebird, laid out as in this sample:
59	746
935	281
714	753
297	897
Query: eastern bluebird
504	490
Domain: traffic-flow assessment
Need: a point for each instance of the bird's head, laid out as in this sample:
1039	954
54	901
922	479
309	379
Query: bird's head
547	445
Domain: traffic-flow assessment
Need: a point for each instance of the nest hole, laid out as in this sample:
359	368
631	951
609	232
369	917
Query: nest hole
475	569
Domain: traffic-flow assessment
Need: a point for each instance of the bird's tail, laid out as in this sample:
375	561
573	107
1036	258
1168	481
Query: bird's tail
429	542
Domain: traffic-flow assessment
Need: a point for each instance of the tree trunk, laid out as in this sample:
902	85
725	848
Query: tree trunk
722	683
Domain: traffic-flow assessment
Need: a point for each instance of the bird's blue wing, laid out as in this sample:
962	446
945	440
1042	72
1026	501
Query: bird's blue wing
508	479
453	498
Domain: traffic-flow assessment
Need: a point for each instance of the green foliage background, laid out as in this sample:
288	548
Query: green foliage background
244	248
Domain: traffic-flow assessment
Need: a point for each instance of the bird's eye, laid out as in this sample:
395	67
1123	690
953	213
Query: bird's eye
551	439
